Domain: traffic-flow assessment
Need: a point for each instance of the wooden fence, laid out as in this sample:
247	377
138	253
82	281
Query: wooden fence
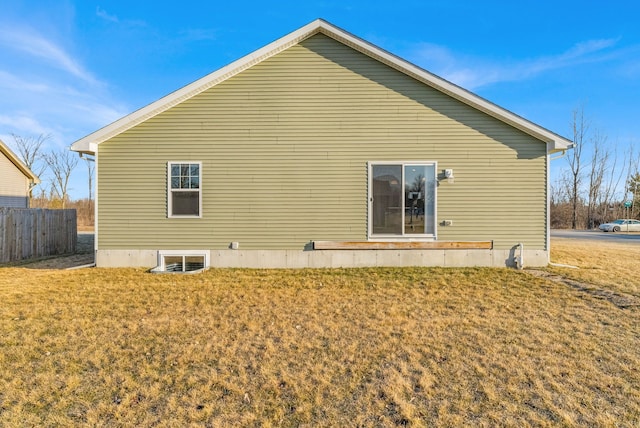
36	232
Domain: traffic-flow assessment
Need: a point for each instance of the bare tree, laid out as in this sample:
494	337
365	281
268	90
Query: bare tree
599	165
560	190
61	164
630	169
580	130
633	187
611	190
561	201
30	151
597	181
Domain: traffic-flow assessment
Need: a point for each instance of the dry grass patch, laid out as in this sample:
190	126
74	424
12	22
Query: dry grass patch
613	266
343	347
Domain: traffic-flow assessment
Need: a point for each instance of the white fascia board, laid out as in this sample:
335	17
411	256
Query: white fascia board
13	158
89	143
558	142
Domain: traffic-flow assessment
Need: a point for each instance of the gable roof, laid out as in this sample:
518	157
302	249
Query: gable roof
4	149
89	143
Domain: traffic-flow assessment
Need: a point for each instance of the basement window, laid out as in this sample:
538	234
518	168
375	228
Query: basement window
182	261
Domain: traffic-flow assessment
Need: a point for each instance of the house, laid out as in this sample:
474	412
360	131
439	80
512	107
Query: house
317	150
16	180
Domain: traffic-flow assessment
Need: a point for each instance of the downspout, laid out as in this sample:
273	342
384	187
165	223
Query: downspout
563	152
94	159
559	156
548	214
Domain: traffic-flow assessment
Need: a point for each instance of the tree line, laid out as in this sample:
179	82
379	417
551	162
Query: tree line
601	181
53	167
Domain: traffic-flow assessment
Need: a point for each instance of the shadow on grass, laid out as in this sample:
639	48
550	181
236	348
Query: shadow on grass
83	256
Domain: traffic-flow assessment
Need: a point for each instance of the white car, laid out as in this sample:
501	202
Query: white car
623	224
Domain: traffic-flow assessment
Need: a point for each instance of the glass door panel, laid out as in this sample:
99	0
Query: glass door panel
387	199
419	203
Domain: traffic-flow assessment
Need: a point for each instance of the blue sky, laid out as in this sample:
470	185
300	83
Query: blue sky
68	68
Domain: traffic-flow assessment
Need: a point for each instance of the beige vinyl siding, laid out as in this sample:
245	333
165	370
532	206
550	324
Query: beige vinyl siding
284	148
14	186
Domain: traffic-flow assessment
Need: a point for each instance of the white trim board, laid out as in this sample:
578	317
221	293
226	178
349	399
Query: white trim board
89	143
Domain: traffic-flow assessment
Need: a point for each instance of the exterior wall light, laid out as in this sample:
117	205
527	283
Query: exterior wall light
448	174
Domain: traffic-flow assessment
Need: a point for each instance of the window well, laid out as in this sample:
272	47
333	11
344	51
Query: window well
184	262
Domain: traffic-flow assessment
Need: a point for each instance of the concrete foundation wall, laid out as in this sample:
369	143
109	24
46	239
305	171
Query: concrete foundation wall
334	258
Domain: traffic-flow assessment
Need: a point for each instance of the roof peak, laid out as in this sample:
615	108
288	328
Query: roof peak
89	143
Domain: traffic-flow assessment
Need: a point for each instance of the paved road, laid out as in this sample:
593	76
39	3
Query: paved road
596	235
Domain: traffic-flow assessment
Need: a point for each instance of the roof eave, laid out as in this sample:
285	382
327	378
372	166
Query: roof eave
18	163
559	146
559	143
90	143
84	146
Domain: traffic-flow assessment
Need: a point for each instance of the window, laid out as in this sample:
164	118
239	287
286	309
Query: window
182	260
185	194
402	198
183	263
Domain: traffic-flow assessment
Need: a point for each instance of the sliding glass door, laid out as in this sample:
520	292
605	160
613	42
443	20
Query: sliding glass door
402	199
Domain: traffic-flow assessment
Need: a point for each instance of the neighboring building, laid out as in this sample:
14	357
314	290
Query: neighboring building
321	149
16	180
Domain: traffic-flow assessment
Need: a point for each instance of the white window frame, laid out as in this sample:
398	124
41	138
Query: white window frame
170	190
404	237
162	254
